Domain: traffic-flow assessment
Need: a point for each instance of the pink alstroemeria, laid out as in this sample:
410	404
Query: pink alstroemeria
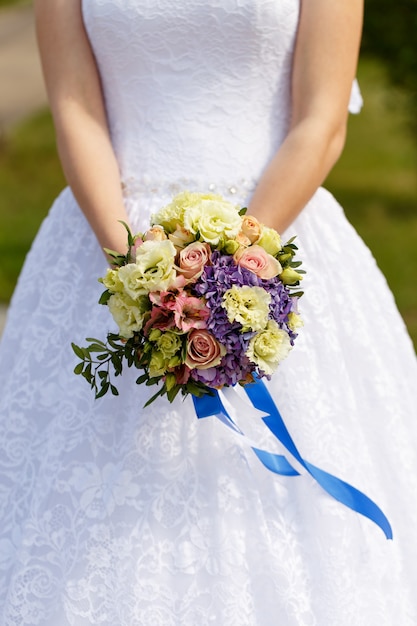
167	299
190	312
161	318
182	374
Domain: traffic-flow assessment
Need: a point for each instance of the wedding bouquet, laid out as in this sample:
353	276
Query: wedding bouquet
204	299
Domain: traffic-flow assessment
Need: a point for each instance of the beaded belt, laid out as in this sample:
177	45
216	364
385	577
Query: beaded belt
147	186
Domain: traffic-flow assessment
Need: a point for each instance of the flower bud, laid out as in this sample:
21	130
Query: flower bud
290	277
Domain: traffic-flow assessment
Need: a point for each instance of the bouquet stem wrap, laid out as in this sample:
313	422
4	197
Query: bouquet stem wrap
262	401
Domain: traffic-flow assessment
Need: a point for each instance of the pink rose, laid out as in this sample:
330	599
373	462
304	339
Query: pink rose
258	261
192	259
156	233
203	351
251	228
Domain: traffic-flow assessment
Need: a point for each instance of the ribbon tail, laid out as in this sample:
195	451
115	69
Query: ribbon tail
211	405
351	497
338	489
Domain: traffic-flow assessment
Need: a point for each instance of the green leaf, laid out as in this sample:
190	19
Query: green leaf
94	340
243	211
78	351
160	392
172	393
78	368
142	379
153	381
291	240
104	389
114	390
105	297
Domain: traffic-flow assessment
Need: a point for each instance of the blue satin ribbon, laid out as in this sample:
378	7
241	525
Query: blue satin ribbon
338	489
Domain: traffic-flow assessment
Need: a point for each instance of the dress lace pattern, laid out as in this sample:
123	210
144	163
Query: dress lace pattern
116	515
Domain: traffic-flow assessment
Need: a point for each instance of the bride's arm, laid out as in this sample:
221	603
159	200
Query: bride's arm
75	96
324	66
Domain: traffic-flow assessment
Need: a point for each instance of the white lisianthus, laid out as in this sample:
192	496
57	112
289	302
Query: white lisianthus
153	270
127	313
214	218
247	305
269	347
112	281
269	240
171	216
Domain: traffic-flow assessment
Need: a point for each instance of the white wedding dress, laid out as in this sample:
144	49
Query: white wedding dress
115	515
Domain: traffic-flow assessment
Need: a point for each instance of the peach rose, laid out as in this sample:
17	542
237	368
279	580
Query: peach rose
258	261
192	259
243	240
251	228
156	233
203	350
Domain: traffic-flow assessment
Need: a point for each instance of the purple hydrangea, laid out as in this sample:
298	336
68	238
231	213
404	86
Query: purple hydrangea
212	285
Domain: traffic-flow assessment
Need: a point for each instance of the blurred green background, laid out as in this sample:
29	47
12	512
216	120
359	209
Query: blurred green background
375	180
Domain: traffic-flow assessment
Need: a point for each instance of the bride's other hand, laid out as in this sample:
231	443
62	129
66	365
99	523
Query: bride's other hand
83	139
325	61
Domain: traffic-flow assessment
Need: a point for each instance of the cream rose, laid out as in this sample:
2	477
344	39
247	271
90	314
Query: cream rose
258	261
203	350
193	258
156	233
181	237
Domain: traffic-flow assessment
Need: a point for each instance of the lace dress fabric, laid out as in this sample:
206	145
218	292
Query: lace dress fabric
117	515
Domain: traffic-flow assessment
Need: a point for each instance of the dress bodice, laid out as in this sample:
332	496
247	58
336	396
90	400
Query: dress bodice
197	90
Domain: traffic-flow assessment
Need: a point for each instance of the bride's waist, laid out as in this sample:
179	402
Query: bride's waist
146	186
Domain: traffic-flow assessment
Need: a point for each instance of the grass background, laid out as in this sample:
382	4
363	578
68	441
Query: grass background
375	181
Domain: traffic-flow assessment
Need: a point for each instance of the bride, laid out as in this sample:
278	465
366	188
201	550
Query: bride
117	515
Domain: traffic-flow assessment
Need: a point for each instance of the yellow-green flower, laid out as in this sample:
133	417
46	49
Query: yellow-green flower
231	246
112	281
269	347
214	218
269	240
157	364
127	313
247	305
290	277
153	271
168	343
294	321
